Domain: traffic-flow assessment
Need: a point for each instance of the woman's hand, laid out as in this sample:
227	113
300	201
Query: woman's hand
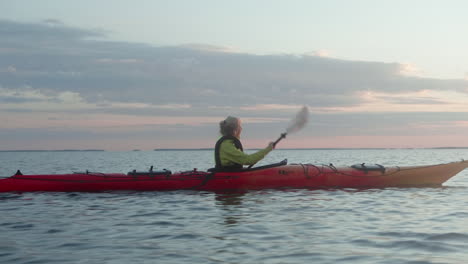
271	145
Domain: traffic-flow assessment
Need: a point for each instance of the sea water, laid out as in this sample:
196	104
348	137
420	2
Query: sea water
389	225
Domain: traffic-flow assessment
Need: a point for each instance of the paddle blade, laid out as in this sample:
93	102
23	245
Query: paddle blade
300	121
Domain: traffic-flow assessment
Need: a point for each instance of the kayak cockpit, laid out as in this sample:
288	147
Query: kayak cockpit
151	172
367	168
281	163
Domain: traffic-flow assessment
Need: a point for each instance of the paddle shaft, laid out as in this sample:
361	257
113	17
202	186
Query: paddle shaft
283	135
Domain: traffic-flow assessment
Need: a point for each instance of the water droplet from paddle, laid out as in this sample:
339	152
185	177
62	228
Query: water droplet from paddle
299	121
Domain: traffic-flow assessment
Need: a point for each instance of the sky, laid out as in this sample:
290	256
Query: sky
121	75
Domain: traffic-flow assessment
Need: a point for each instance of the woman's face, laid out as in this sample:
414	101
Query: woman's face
238	131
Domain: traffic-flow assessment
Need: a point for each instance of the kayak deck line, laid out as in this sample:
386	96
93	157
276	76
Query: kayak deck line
273	176
382	169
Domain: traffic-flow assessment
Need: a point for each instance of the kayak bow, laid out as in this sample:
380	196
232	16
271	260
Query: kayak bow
279	175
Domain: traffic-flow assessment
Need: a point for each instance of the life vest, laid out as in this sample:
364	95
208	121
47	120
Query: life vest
237	144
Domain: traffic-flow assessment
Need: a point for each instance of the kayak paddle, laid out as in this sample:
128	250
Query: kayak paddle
296	124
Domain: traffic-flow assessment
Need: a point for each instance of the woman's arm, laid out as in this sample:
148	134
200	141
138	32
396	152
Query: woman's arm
229	154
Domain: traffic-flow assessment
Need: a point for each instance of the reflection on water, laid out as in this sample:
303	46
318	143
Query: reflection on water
230	203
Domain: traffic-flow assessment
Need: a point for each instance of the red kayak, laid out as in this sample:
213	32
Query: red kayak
279	175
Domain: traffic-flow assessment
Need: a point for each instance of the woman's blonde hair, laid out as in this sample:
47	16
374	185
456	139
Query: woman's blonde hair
228	126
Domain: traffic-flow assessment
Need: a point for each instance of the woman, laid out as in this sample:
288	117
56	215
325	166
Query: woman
229	153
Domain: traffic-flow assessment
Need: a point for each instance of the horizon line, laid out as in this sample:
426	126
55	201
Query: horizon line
200	149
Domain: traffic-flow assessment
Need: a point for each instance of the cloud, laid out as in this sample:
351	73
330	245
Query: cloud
9	69
29	35
53	21
26	96
409	70
50	67
59	58
319	53
208	48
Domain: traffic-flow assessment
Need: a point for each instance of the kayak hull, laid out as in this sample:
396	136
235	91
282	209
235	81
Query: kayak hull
267	177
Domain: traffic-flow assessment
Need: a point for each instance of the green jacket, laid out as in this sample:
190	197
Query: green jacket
230	155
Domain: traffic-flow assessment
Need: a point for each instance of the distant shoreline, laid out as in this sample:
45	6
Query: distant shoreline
211	149
46	150
196	149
